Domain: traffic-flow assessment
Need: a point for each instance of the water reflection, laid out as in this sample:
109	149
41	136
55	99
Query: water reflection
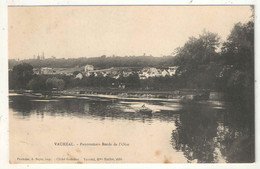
206	132
195	133
88	108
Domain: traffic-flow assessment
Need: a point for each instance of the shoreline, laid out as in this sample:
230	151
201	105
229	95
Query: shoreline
174	96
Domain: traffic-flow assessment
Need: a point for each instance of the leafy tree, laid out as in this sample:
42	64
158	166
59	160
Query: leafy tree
20	76
54	82
239	47
37	84
195	59
133	80
238	51
197	51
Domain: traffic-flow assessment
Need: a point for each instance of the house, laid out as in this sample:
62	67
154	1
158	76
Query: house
58	71
164	73
126	73
87	74
153	72
172	70
79	76
47	71
116	76
145	73
67	71
102	72
88	68
105	74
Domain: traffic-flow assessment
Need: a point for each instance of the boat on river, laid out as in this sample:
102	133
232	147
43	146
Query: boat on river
145	110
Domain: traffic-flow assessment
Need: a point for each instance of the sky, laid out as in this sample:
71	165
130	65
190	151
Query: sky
91	31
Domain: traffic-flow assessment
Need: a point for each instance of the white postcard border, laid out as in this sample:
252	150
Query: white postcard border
4	156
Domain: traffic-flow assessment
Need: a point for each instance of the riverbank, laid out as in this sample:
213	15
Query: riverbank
184	94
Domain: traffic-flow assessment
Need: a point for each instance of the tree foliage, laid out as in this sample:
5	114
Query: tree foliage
238	50
99	62
20	76
197	51
37	84
55	83
239	47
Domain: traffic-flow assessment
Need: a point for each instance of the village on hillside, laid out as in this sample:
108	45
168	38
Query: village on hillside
87	75
113	72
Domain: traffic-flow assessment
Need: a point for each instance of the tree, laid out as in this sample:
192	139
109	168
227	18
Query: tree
54	82
133	81
37	84
238	51
239	47
197	51
20	76
195	58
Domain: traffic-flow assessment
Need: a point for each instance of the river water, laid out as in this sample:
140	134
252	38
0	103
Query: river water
202	132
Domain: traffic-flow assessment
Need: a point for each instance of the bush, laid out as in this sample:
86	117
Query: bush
55	83
37	84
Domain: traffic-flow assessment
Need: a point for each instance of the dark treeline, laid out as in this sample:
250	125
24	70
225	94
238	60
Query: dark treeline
100	62
203	63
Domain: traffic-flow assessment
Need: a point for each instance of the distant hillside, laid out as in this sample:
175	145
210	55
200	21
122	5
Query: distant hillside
100	62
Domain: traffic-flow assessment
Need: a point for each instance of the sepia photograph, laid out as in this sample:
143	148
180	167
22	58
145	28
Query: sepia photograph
131	84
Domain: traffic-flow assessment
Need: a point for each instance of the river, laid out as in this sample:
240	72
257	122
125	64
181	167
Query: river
207	131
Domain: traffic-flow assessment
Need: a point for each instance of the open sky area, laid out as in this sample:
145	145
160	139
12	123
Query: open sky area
90	31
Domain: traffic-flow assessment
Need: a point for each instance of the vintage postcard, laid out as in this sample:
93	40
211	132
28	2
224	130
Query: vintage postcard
131	84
